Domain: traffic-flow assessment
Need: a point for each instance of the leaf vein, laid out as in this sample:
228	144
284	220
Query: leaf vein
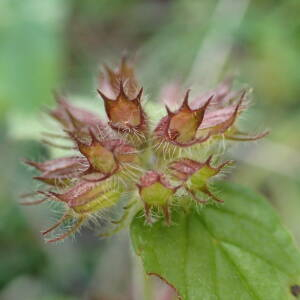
256	255
268	231
250	289
246	217
216	273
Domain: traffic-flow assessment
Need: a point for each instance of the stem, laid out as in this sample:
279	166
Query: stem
216	46
137	277
148	288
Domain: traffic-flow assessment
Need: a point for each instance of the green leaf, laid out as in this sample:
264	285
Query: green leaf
238	250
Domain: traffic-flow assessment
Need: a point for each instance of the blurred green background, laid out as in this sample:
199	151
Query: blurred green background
60	44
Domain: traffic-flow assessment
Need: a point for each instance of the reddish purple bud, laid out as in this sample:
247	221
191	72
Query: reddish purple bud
106	156
124	112
222	121
180	127
122	100
72	117
196	175
60	171
109	81
127	117
219	121
223	95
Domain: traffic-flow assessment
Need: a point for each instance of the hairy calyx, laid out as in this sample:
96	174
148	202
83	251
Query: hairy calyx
123	159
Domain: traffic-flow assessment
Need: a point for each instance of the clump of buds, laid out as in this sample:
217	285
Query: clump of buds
123	160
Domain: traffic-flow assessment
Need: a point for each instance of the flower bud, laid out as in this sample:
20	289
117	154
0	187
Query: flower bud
82	200
220	120
59	172
88	197
124	112
155	191
106	156
72	117
100	157
122	100
180	128
109	81
196	175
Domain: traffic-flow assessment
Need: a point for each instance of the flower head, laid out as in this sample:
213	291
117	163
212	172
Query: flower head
122	160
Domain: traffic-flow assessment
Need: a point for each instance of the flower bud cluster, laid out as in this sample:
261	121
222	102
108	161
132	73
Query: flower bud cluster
156	168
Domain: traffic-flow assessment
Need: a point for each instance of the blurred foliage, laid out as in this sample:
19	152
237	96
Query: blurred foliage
59	44
31	52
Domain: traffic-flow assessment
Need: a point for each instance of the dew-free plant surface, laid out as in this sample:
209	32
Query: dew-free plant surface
206	238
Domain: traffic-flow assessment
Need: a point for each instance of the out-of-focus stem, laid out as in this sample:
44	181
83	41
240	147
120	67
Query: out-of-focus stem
217	44
137	278
148	288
